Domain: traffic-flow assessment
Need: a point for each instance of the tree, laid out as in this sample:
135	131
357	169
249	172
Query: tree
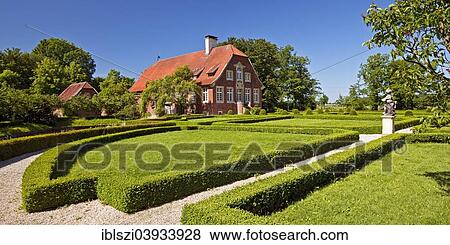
66	53
323	100
49	78
418	32
21	64
283	73
19	105
96	81
74	73
9	78
176	89
114	95
375	75
80	105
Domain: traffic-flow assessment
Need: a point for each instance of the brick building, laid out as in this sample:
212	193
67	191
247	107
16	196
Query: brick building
226	76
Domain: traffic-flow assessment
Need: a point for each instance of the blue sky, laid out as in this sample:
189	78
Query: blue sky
129	35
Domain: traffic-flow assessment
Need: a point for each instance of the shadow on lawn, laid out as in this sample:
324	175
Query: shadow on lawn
442	178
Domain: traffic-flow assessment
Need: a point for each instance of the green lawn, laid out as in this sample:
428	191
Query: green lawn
239	141
416	192
22	128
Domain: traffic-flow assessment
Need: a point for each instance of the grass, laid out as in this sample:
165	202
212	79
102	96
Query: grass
22	128
239	140
416	192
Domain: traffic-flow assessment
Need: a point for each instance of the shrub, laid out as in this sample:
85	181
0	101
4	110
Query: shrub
262	112
21	105
43	188
276	193
308	112
353	112
133	195
409	113
281	111
295	111
230	112
327	110
18	146
320	111
246	111
255	110
80	106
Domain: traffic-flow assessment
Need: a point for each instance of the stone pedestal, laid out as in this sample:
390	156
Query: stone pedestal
388	124
240	108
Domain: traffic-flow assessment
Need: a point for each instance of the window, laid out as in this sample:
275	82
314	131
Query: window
229	75
239	95
230	95
219	94
239	73
256	95
248	77
205	95
247	95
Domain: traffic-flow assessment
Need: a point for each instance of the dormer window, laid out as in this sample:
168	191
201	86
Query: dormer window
248	77
239	73
229	75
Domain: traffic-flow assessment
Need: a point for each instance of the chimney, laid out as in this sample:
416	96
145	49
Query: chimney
210	43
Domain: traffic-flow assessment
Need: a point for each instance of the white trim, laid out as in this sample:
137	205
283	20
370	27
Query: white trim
249	80
217	94
231	73
256	98
249	94
232	95
205	99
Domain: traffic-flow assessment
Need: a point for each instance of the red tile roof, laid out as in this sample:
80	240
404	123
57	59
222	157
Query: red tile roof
198	62
73	90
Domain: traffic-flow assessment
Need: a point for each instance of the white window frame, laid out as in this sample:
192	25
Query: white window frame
219	99
205	96
247	95
248	77
239	73
230	94
256	95
229	75
239	95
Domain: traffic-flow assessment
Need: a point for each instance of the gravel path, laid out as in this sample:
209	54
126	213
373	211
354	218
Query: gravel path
94	212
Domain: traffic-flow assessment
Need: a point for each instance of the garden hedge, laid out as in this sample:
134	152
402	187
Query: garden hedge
43	188
254	203
362	130
18	146
130	194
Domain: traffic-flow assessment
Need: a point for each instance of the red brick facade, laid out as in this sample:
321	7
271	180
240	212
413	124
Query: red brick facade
210	68
222	107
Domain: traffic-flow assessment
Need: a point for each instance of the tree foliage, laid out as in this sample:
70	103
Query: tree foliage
176	89
19	68
80	105
418	31
411	84
114	95
284	74
19	105
49	77
65	53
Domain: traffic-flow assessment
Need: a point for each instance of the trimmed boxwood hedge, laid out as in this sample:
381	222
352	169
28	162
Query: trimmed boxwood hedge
362	130
43	189
18	146
253	203
129	194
